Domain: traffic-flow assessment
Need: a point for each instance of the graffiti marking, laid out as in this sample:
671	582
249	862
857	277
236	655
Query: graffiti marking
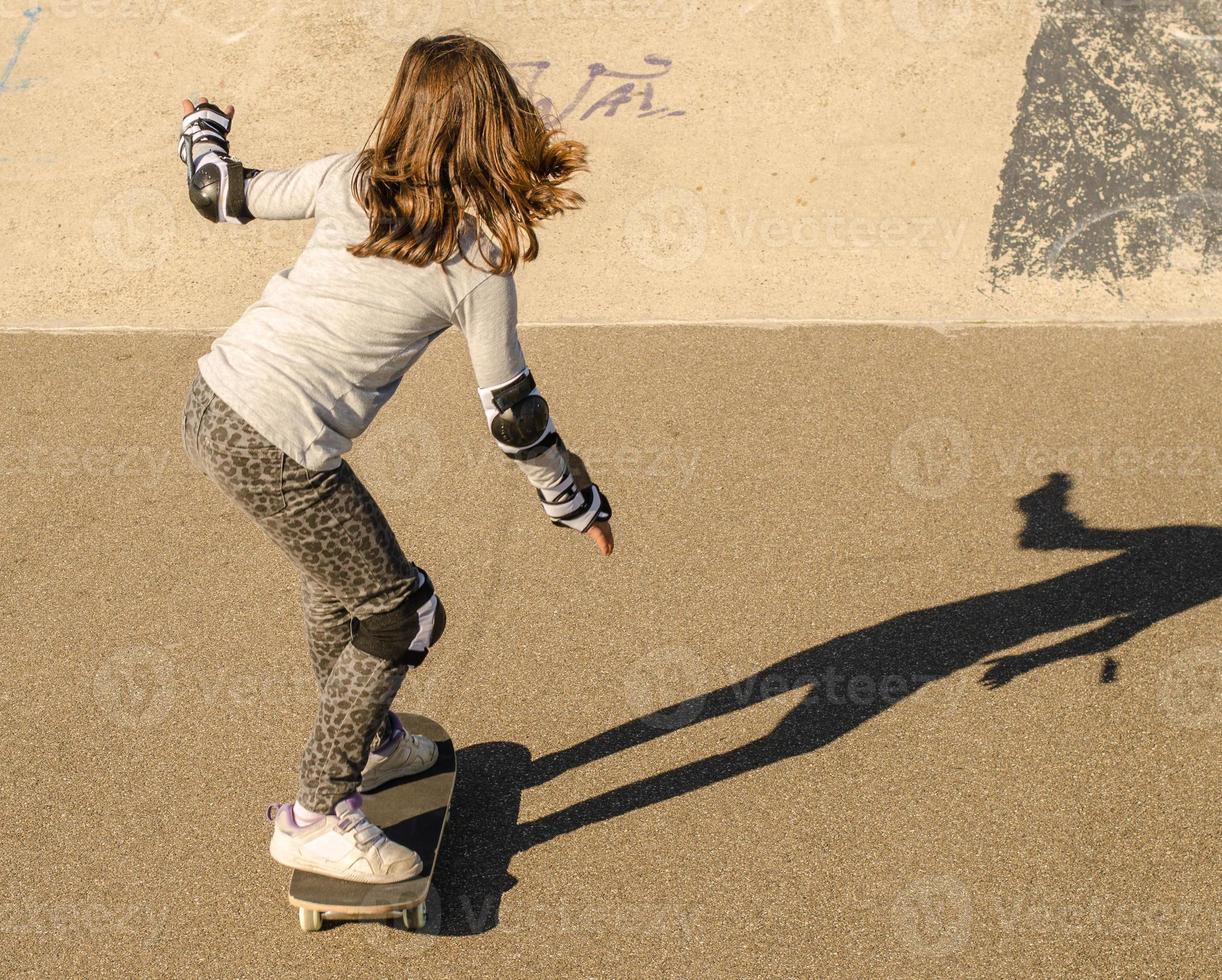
636	86
31	16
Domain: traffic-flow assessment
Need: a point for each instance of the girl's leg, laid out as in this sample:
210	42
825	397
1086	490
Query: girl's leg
359	579
351	713
330	527
328	628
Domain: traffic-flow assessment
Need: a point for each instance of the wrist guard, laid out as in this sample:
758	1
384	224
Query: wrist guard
575	507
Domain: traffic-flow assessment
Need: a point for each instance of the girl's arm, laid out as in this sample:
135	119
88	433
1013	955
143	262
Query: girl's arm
287	194
517	415
223	190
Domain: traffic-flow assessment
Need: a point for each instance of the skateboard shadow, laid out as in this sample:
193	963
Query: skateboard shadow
1156	573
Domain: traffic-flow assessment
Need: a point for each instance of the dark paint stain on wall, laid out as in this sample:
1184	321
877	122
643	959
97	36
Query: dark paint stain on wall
1115	166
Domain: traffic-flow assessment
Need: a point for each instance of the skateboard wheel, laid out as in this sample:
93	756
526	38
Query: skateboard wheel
310	920
414	918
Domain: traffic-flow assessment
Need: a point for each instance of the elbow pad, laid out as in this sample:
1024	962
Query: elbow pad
518	418
218	189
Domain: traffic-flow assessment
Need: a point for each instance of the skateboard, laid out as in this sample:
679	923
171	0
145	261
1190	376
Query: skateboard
412	811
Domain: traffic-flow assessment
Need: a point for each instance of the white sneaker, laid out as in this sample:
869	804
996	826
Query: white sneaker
400	755
341	844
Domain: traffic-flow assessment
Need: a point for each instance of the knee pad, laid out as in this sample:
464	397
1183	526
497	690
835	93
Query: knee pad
403	635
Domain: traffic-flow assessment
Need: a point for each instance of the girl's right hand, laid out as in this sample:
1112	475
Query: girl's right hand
600	531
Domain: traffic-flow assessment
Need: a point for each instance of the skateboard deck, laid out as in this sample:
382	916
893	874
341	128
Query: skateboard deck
412	811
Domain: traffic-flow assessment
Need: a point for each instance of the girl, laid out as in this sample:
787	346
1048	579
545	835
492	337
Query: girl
419	231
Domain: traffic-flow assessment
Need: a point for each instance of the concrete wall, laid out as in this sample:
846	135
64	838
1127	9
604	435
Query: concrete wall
942	160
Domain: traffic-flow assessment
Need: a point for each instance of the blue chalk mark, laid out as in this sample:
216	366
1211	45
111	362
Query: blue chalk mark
31	16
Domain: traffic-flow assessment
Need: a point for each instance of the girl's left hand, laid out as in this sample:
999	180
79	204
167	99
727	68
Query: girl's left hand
603	538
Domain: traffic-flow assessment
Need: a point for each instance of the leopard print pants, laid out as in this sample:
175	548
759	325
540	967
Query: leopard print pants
350	564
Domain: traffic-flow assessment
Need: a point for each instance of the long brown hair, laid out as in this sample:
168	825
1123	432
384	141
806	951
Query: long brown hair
457	136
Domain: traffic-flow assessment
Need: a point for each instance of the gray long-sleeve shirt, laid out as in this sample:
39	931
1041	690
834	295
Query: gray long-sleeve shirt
309	364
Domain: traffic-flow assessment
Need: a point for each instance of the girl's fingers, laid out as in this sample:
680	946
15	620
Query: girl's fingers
603	538
228	112
188	107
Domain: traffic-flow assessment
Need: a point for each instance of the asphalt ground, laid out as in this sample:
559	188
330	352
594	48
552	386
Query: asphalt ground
770	735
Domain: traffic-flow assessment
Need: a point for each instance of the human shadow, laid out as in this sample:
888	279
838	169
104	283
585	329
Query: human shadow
1156	573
